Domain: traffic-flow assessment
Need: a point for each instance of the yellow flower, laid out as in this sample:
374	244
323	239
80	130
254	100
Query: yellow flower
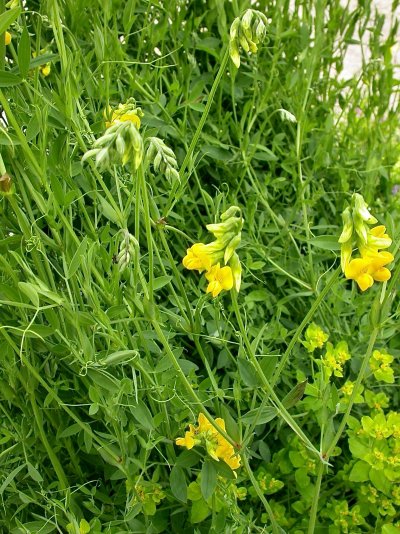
122	114
7	38
45	69
188	441
197	258
369	268
220	278
216	445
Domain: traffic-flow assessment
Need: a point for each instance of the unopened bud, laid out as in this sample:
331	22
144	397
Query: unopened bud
5	184
347	226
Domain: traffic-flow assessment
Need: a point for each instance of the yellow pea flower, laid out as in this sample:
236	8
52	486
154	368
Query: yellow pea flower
7	38
188	441
369	268
220	278
197	258
123	113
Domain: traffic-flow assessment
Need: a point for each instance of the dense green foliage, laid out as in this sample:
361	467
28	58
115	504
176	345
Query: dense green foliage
104	363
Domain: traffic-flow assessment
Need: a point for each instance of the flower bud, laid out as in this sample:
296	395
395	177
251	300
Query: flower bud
361	209
236	268
5	184
347	226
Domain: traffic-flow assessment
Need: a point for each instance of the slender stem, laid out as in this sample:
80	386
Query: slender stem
303	324
325	455
314	506
269	390
186	384
176	195
149	235
274	524
53	458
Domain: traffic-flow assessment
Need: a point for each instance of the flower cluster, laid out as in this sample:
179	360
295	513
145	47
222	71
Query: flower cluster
315	337
121	143
209	257
379	364
247	31
216	445
335	358
356	232
127	112
163	158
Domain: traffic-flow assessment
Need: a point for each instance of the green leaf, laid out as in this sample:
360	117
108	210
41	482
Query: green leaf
34	473
143	415
208	479
194	491
161	281
360	472
70	431
7	79
259	416
77	258
248	373
200	510
24	53
294	395
326	242
390	529
178	484
30	291
379	480
302	478
187	459
8	17
10	478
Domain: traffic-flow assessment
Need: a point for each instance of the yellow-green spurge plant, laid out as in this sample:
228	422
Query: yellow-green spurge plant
157	378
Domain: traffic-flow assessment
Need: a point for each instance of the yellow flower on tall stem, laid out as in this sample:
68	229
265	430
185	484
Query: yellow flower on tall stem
7	38
219	278
369	268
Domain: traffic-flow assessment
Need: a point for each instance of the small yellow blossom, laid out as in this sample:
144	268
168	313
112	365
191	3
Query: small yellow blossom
7	38
216	445
219	278
335	358
45	69
188	441
124	112
369	268
380	366
315	337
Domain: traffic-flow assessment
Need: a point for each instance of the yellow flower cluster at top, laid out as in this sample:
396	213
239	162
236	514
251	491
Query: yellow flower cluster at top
125	112
209	257
370	267
216	445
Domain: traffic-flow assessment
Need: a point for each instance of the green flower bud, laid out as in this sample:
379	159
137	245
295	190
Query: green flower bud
236	267
361	209
347	226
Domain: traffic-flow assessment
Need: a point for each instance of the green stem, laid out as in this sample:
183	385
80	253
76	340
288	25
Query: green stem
269	390
149	236
303	324
182	377
314	506
53	458
325	455
176	195
274	524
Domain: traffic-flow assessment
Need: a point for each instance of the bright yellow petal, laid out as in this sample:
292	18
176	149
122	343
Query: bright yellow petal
381	275
364	281
356	267
226	277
